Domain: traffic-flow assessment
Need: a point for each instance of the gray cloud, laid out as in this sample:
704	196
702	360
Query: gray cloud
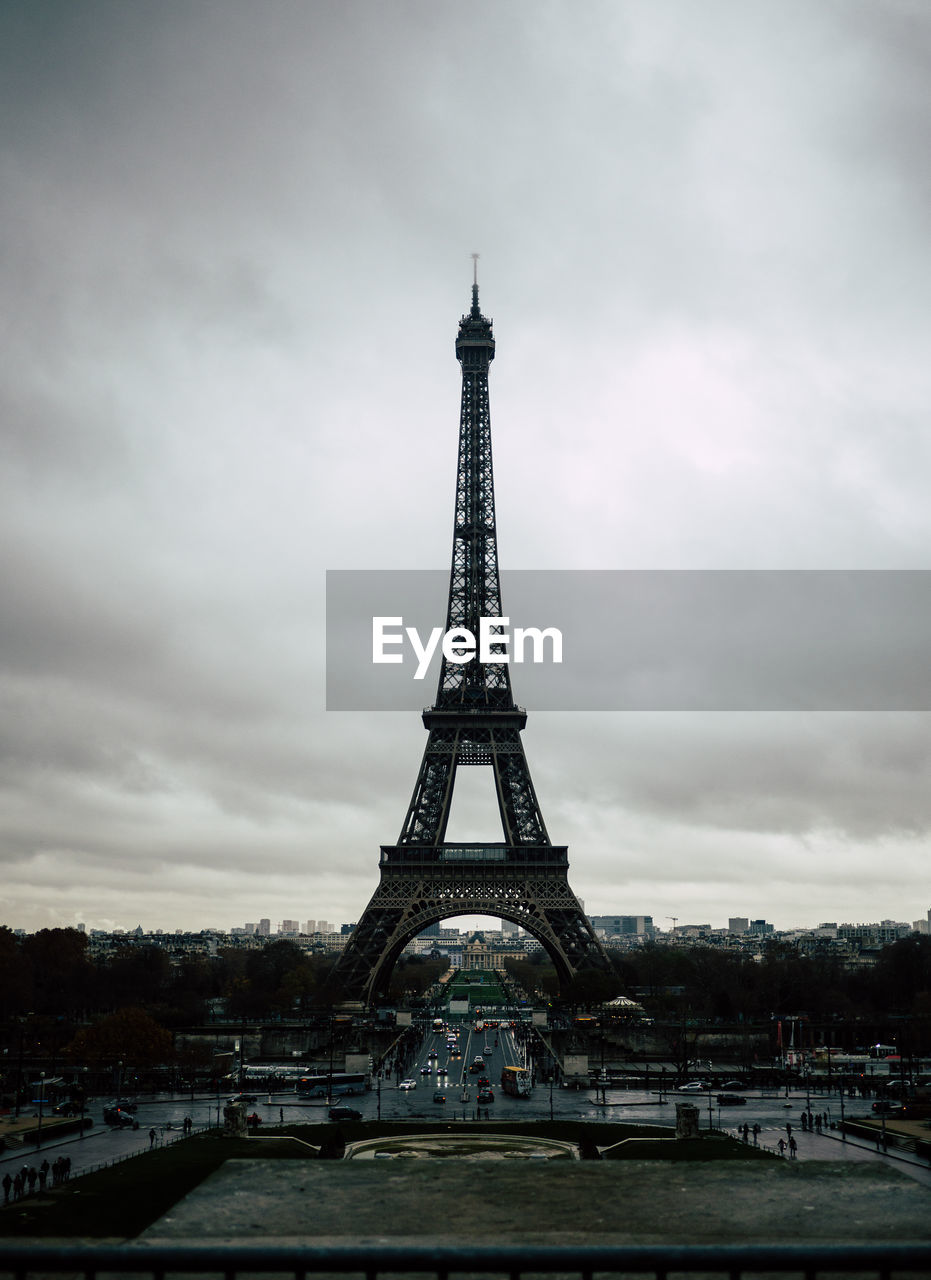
234	250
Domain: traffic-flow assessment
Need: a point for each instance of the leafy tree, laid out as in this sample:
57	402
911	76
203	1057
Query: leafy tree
130	1036
902	974
16	983
135	976
62	977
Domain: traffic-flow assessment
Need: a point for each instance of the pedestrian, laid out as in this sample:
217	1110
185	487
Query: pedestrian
804	1121
32	1177
782	1146
818	1121
281	1115
18	1187
788	1131
66	1168
7	1187
43	1174
152	1136
793	1148
756	1134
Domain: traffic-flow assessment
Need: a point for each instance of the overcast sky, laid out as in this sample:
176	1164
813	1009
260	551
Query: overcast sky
235	248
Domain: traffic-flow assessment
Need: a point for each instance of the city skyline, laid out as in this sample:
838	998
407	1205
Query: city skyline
465	925
237	245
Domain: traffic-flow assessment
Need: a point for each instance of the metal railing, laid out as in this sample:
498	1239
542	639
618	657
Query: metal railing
510	1261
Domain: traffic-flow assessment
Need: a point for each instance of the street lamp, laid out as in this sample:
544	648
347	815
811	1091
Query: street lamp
19	1070
83	1088
41	1096
843	1131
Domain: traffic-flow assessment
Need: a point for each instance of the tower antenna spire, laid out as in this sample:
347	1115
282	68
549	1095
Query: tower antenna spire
475	311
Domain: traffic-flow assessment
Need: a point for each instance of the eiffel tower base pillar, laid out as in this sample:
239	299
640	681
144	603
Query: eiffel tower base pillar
527	886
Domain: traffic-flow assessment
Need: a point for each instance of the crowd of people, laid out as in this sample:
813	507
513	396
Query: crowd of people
29	1179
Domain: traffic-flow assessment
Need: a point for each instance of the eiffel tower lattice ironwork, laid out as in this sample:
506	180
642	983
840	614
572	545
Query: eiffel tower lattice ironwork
473	722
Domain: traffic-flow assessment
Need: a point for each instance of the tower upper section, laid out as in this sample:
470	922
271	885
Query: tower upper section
474	587
475	344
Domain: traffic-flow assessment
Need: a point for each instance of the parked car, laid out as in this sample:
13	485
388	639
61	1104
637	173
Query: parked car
344	1113
730	1085
694	1086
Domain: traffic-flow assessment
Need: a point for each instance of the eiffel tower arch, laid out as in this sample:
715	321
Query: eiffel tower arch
474	722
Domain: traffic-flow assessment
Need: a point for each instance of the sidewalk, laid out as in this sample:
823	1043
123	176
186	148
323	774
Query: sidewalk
832	1145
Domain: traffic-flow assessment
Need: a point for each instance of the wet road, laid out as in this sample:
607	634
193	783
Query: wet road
446	1070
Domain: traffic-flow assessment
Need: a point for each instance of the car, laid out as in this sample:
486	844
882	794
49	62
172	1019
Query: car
488	1051
119	1118
408	1084
442	1071
887	1107
484	1082
344	1113
486	1095
242	1097
731	1100
731	1085
426	1071
439	1096
693	1086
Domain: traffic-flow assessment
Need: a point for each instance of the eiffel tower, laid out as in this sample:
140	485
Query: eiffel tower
473	722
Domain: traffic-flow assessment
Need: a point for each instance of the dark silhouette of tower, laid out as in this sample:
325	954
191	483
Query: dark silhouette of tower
474	721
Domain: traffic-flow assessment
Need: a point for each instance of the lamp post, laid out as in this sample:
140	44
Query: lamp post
83	1088
19	1069
843	1132
41	1097
808	1091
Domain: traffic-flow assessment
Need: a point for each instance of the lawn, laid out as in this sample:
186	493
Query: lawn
121	1201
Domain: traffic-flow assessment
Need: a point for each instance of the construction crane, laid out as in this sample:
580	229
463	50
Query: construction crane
674	920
